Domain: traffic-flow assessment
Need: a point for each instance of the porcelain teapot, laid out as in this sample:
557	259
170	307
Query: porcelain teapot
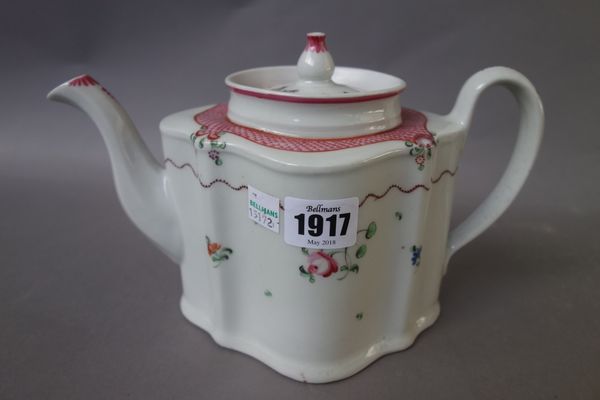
310	215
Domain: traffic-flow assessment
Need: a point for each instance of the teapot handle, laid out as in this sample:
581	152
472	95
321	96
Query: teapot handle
528	141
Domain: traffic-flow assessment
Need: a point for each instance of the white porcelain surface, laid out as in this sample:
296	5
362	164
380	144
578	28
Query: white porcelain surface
242	283
262	80
315	120
315	69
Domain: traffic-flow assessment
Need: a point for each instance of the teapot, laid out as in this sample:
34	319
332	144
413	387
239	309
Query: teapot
310	214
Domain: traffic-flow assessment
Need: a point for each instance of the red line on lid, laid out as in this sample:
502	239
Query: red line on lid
315	100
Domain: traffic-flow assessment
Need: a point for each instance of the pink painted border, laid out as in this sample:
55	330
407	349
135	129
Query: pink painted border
88	80
83	80
315	42
413	129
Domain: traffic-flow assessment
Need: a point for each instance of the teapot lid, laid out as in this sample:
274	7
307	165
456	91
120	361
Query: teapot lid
315	98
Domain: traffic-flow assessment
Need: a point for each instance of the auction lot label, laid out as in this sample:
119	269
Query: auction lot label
320	224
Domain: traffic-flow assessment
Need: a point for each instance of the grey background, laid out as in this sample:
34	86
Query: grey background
89	308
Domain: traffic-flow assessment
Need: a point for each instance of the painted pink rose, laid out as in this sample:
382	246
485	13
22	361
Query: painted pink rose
424	142
213	136
420	159
321	263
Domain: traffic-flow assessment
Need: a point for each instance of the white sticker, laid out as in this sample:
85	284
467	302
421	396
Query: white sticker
320	224
263	209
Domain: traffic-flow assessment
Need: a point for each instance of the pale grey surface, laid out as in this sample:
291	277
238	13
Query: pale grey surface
89	309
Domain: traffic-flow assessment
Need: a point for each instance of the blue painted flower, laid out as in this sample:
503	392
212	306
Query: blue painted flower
416	255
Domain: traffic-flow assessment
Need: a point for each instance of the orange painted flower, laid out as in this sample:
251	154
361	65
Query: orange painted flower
213	248
216	252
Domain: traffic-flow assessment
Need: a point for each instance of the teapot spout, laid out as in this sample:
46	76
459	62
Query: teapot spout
141	182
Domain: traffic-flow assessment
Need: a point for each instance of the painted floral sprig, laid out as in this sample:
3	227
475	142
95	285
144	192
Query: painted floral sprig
217	252
421	150
416	255
323	263
200	137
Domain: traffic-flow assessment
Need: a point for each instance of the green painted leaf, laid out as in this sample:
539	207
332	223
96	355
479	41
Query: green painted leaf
311	279
343	268
268	293
359	316
371	230
218	161
304	250
354	268
362	250
398	215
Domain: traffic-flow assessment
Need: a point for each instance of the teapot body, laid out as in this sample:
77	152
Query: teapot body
312	314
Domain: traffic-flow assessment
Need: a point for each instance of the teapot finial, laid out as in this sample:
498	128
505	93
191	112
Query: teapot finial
315	63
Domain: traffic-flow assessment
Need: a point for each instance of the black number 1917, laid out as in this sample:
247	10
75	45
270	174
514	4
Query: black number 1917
316	224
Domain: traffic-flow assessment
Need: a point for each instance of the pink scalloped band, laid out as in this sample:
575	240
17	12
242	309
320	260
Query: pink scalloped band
413	130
